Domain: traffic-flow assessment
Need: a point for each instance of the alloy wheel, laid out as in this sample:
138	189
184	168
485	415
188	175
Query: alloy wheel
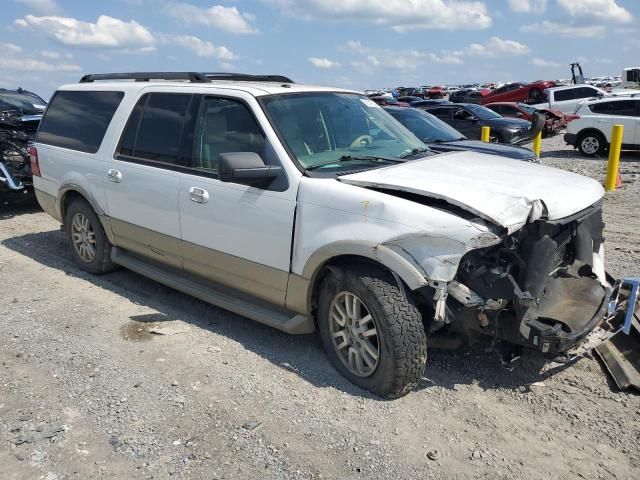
354	334
590	145
83	237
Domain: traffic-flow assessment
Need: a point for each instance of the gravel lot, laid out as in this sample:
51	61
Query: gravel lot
87	391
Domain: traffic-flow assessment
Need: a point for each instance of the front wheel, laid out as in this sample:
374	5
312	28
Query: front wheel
371	330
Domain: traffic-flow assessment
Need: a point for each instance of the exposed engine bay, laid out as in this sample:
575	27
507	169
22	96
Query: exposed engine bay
543	287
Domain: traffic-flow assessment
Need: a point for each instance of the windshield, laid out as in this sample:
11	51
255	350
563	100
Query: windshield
483	113
26	102
425	126
321	128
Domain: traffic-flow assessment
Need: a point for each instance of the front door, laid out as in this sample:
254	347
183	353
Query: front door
142	178
233	234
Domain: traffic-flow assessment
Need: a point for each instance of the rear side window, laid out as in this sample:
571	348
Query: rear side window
625	108
562	95
156	129
78	120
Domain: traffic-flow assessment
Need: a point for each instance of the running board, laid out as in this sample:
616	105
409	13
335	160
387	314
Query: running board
271	315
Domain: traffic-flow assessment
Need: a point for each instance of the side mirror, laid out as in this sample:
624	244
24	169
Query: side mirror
246	168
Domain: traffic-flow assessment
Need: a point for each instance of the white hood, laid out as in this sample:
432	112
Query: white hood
498	189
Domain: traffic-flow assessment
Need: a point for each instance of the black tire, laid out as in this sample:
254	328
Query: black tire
495	138
535	95
592	143
401	336
101	262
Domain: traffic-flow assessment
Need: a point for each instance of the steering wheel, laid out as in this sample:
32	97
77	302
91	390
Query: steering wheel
361	141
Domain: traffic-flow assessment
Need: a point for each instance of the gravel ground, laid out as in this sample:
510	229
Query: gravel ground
88	391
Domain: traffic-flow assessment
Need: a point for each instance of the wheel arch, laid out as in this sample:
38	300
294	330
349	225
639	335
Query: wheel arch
71	191
344	253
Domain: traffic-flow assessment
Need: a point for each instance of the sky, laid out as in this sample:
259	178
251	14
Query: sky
347	43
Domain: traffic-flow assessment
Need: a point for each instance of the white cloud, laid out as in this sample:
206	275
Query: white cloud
228	19
496	47
528	6
10	48
401	15
553	28
323	62
46	7
372	59
54	55
607	10
23	64
107	32
448	58
539	62
200	47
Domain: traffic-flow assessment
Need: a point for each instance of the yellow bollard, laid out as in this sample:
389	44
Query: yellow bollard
537	143
614	157
484	136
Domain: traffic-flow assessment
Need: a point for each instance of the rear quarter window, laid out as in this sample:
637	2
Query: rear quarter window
78	120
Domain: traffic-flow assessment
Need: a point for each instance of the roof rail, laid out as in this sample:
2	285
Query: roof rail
193	77
246	77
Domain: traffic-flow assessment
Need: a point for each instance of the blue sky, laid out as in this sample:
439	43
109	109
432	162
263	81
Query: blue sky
350	43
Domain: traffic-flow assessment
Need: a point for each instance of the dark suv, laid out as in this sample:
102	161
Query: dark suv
469	118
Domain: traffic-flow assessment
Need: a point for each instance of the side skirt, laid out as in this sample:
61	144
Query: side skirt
218	295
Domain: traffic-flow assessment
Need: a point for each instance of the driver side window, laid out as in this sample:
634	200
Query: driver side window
224	126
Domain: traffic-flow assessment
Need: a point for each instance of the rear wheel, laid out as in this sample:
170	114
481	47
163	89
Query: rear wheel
371	330
90	247
592	143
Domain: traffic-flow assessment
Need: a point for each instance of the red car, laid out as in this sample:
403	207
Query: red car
532	92
435	92
555	122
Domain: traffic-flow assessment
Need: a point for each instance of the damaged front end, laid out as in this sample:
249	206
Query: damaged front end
16	131
542	287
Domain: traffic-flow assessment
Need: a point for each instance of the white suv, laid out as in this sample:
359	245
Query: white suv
311	208
590	132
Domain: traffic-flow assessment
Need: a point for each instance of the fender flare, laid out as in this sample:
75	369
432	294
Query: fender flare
300	292
68	187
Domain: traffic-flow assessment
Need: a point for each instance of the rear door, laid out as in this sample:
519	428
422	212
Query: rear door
618	112
142	178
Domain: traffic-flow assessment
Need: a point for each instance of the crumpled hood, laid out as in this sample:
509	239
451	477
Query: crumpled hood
494	188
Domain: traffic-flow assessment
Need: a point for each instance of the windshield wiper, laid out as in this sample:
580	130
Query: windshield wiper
350	158
415	151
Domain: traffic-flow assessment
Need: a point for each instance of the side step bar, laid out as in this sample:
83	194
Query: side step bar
271	315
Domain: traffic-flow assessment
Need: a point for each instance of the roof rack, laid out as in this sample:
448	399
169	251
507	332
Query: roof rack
246	77
193	77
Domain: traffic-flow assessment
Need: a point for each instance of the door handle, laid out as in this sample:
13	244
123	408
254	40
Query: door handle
198	195
114	175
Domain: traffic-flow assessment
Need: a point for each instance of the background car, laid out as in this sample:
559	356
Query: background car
432	101
555	121
20	115
443	138
519	92
388	100
409	99
468	96
590	132
469	118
